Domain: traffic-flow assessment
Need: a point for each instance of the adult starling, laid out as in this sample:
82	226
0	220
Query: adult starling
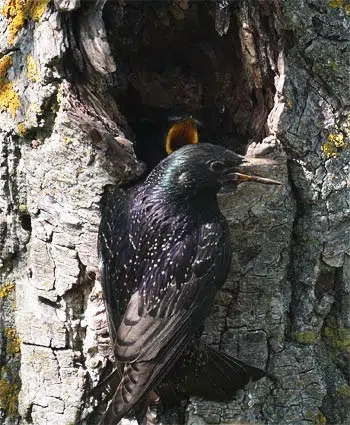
164	252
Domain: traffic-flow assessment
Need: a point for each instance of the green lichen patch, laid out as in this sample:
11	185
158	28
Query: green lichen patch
342	396
306	337
332	63
343	391
338	339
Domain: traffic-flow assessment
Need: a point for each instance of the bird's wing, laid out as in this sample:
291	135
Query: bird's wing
169	306
115	251
177	289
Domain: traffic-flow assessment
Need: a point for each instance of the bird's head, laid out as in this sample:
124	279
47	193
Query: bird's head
201	168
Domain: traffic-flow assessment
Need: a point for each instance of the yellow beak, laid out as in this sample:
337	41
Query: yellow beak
251	162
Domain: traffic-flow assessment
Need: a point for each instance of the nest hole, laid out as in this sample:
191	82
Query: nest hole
26	222
173	63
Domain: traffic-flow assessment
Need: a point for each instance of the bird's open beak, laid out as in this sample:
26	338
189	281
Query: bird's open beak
239	176
183	132
251	178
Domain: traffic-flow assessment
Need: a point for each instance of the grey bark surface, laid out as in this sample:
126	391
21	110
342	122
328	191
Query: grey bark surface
286	304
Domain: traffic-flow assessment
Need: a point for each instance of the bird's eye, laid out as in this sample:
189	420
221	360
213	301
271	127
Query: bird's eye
217	166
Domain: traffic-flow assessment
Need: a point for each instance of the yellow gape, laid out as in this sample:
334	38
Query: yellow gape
182	133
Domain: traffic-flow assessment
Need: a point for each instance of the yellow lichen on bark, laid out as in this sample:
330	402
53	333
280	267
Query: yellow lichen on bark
36	8
334	145
5	63
335	4
9	387
32	70
6	289
14	12
340	4
17	11
21	128
13	345
8	397
9	99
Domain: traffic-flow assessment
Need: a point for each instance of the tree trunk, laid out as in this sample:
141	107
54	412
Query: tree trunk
77	81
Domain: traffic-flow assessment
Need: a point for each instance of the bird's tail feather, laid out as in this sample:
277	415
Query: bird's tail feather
223	376
107	386
138	378
209	374
129	392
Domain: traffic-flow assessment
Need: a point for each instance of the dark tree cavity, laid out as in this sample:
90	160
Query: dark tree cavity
173	62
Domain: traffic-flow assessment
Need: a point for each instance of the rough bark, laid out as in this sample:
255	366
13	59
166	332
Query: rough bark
272	70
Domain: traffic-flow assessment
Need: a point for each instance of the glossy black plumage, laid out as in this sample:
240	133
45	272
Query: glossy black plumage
165	251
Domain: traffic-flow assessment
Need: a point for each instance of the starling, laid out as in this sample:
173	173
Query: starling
164	252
